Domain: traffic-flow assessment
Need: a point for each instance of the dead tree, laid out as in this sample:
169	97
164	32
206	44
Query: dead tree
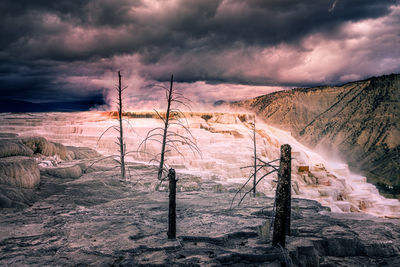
255	157
121	143
256	167
165	136
166	125
283	199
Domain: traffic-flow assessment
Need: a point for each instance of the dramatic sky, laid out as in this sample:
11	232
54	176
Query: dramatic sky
217	49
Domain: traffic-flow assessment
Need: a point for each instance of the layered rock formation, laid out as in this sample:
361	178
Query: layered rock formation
23	160
226	146
39	145
19	171
358	121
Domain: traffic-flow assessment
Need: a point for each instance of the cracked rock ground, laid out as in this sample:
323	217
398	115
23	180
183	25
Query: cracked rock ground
99	220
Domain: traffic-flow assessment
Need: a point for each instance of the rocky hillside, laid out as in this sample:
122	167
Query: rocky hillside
358	121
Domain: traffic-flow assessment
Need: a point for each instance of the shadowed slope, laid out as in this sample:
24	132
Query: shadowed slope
358	120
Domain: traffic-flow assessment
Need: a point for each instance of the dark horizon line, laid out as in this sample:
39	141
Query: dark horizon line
17	105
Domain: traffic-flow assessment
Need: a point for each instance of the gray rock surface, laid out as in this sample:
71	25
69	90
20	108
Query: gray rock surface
99	220
5	202
17	198
8	135
73	171
83	152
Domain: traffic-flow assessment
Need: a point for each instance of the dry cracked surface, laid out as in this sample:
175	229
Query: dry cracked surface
98	220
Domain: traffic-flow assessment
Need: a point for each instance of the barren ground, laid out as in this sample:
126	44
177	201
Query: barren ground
98	220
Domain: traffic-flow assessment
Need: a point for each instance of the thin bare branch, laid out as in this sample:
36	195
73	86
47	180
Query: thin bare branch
176	149
158	114
182	103
157	85
244	185
259	180
96	161
111	127
267	164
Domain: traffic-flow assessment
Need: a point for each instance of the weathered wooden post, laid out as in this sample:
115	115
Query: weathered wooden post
172	205
283	202
289	212
255	157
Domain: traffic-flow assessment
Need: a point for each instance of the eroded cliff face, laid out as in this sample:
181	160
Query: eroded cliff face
358	121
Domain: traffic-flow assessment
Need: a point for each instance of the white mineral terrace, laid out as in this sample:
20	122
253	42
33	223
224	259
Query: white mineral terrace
226	146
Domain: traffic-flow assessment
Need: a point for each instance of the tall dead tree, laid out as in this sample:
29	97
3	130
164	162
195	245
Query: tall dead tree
169	139
120	129
166	125
258	166
122	145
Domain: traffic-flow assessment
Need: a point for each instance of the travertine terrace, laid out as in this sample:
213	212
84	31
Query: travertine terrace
226	146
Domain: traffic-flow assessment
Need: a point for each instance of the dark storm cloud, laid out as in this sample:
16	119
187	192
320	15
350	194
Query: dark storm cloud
182	25
40	82
42	42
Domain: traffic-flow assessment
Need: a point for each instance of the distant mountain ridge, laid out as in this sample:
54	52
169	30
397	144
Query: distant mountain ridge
358	121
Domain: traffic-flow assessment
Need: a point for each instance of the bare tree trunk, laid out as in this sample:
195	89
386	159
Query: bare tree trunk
160	169
289	204
255	157
121	132
282	214
172	205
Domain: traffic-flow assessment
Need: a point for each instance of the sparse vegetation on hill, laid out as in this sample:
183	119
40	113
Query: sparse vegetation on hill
358	121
